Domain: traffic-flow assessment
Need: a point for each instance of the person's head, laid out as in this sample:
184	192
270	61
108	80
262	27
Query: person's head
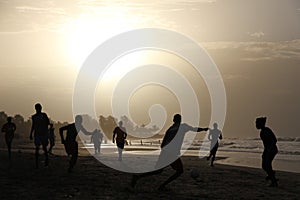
177	118
260	122
120	123
9	119
78	120
38	107
215	125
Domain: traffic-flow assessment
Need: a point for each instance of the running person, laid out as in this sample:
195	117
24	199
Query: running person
9	129
70	143
270	149
213	136
40	122
170	150
120	131
96	138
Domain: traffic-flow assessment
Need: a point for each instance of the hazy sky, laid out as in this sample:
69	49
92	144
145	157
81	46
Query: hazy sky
255	44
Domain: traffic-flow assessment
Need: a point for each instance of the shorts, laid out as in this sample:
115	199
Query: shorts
214	149
41	140
120	145
9	138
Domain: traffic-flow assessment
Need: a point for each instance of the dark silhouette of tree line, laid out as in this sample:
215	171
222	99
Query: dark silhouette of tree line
107	125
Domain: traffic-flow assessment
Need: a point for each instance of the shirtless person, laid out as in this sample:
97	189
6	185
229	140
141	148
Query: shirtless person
170	146
70	143
40	122
120	131
9	129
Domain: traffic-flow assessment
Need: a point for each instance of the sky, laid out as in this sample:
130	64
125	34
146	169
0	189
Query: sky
255	45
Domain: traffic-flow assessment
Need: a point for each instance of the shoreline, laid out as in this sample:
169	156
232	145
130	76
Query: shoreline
282	162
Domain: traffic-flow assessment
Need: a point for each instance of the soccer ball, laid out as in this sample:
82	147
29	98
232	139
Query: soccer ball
195	173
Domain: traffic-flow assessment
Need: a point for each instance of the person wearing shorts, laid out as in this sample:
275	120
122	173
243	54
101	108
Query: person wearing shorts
214	135
120	134
39	128
270	149
9	129
70	143
170	151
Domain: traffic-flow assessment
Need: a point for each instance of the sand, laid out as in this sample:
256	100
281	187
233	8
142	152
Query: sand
93	180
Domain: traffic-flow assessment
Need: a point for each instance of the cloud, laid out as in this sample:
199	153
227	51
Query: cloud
40	10
256	51
258	34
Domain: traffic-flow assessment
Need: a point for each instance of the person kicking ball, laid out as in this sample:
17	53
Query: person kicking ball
170	151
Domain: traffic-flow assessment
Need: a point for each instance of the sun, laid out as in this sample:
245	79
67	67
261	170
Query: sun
84	34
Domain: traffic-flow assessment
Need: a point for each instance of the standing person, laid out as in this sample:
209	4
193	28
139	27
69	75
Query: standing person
96	138
120	131
40	122
70	143
270	149
9	129
213	136
170	150
51	139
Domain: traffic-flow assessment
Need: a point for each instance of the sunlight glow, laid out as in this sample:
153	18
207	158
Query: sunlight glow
84	34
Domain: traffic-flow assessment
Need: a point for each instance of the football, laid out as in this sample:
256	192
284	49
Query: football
195	173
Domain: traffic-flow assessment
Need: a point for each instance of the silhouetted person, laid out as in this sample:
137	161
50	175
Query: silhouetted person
96	138
40	122
51	139
9	129
120	131
270	149
213	136
70	143
170	150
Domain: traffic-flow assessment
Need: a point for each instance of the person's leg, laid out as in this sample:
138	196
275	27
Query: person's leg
46	154
51	145
214	152
45	142
37	148
176	165
98	148
95	148
270	171
8	143
74	156
213	159
264	162
9	150
120	150
208	157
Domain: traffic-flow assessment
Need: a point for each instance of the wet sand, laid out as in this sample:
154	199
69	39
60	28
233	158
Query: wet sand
93	180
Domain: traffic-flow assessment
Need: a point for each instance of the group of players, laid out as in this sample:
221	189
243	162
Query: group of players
170	147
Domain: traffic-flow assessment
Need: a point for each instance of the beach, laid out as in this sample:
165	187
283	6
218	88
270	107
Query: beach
93	180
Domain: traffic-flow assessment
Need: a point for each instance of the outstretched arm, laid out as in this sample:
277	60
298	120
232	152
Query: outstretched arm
202	129
84	131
